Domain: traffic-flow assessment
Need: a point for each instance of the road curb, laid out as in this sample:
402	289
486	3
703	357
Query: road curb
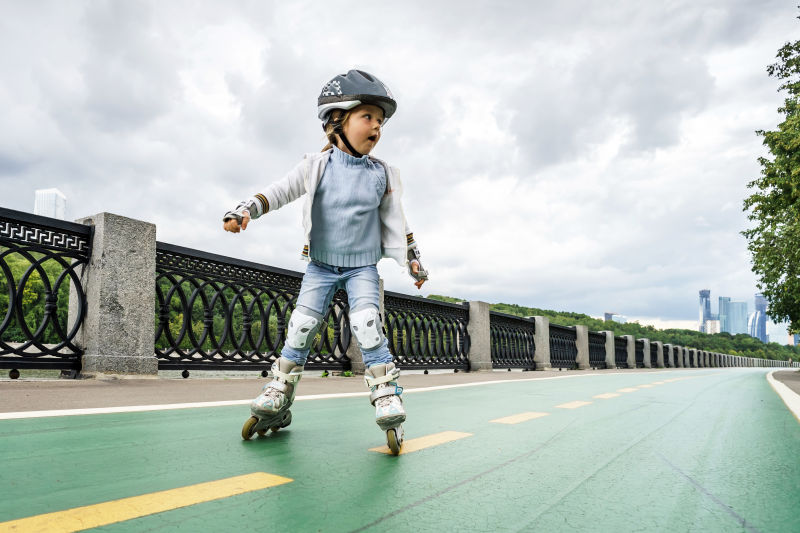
789	397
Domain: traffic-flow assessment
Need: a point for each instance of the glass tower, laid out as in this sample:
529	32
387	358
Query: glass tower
724	314
757	325
705	308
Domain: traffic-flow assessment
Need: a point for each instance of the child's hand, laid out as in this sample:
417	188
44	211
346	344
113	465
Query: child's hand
415	270
233	226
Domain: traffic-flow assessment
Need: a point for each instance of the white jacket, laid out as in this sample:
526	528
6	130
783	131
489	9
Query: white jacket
396	237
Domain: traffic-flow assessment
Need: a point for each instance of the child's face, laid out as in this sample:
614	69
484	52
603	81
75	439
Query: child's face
363	128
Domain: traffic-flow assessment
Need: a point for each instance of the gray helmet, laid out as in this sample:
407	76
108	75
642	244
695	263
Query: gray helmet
357	87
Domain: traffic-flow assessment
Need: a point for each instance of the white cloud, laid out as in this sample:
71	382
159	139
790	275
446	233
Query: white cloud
574	156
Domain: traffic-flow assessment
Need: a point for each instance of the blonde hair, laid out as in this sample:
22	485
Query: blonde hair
342	118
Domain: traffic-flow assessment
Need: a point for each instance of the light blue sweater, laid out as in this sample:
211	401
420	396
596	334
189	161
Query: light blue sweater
345	223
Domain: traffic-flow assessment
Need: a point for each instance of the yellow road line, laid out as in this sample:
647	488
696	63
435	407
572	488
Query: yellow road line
657	383
644	386
102	514
516	419
607	395
428	441
573	405
627	389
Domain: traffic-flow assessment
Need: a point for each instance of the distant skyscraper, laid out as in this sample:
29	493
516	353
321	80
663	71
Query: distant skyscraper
705	308
615	317
794	339
757	325
724	325
737	318
712	326
50	203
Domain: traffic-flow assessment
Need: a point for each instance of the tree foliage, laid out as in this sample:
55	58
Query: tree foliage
774	241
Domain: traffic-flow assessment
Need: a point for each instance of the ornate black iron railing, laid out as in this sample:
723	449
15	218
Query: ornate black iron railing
426	333
216	312
512	341
42	298
639	353
597	350
563	350
621	352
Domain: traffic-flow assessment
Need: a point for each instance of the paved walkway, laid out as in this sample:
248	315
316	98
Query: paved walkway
669	450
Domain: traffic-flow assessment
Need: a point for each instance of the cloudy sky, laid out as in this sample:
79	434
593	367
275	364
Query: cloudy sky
577	155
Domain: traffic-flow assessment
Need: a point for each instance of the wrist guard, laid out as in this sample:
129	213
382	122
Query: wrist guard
256	206
413	256
238	213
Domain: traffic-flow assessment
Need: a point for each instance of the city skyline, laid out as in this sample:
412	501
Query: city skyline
732	317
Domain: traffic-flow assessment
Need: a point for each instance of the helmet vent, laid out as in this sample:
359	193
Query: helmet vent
370	78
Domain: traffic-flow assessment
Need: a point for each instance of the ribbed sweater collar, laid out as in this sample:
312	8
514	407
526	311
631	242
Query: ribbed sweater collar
348	160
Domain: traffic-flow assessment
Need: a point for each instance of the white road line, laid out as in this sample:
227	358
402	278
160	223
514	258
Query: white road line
195	405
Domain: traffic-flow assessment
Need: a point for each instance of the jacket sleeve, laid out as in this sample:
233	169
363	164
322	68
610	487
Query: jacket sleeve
289	188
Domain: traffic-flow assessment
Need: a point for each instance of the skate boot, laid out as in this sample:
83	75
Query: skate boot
389	411
270	409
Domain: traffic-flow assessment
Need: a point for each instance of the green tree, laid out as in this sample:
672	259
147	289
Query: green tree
774	242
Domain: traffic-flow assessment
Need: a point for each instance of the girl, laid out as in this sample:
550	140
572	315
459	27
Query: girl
352	217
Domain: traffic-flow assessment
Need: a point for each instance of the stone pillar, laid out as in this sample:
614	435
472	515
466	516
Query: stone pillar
685	356
631	350
582	343
707	359
668	360
659	354
118	333
611	349
541	338
646	353
480	337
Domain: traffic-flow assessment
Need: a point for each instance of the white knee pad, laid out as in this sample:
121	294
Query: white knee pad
302	329
366	326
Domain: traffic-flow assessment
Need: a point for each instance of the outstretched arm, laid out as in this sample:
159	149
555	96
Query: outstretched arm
276	195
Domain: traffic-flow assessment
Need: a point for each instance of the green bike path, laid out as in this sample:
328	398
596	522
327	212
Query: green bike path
684	450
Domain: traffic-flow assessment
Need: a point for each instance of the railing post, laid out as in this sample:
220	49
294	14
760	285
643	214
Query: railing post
541	338
646	353
631	350
480	337
611	350
118	334
659	354
582	343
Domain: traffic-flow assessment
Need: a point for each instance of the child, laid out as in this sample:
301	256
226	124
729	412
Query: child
352	217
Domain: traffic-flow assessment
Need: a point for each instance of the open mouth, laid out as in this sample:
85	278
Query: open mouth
373	138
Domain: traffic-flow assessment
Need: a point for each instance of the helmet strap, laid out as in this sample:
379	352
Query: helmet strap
338	130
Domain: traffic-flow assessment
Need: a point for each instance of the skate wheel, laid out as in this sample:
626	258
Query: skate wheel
394	441
285	421
248	429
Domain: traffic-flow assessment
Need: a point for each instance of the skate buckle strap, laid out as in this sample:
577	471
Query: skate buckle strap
277	385
389	377
381	392
287	378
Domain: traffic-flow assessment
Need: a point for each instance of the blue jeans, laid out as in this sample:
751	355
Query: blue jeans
316	291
